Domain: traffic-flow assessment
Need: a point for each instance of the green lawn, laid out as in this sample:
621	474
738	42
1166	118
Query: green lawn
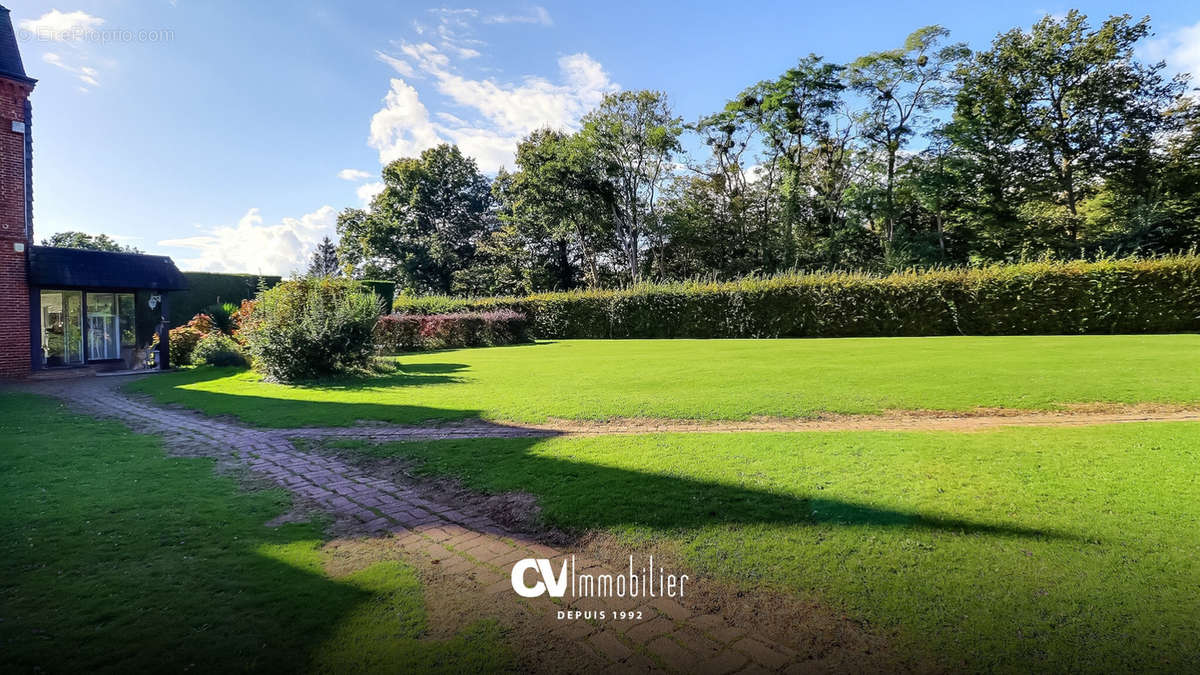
714	379
116	558
1025	549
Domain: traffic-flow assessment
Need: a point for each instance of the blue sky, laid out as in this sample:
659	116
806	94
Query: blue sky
229	134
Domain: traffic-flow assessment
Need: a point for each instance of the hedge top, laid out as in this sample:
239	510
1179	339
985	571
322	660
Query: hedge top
1107	296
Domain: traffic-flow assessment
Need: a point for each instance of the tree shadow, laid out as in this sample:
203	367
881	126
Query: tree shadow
116	560
404	375
577	494
272	412
580	495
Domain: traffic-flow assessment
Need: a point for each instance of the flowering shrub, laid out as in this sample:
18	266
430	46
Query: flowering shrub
218	349
237	317
408	332
310	328
183	339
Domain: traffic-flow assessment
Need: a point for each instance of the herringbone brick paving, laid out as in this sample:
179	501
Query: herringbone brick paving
460	539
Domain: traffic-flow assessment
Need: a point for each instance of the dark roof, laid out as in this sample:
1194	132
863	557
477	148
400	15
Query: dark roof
50	266
10	54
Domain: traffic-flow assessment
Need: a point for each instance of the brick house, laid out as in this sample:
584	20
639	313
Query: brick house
63	308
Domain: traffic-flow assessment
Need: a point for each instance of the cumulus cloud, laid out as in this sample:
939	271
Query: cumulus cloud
402	127
353	174
367	191
503	112
536	15
251	246
62	26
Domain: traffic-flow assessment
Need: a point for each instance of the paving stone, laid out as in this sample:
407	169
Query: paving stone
671	608
376	505
648	630
607	644
761	653
717	628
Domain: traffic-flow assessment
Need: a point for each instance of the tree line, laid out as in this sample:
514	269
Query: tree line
1055	142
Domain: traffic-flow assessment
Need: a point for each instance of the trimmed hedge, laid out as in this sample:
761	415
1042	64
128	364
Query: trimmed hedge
1112	296
209	288
386	290
397	333
213	288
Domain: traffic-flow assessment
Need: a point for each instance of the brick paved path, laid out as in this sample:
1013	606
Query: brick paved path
460	540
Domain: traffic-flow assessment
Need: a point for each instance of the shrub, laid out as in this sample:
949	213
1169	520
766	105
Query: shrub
183	340
221	315
409	332
237	318
397	333
218	349
1108	296
311	328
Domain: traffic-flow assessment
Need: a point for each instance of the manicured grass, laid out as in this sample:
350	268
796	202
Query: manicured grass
116	558
1025	549
714	379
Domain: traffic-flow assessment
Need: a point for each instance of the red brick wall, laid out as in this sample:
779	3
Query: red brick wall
14	293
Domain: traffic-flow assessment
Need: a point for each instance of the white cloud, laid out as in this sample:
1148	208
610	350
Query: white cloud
253	247
399	65
62	26
87	75
353	174
70	30
1181	50
504	111
402	127
367	191
462	52
536	15
425	55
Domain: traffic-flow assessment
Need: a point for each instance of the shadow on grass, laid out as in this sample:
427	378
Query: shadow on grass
581	495
115	560
403	375
271	412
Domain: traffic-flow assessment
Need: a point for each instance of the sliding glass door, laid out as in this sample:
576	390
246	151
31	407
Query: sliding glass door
62	328
104	333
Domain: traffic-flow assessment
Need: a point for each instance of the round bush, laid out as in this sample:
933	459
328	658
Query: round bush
311	328
218	349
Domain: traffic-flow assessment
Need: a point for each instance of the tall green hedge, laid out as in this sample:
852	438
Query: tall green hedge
386	290
208	288
1111	296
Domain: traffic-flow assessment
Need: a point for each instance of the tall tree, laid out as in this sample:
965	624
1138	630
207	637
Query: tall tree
634	136
791	113
324	261
561	196
91	242
424	225
1084	107
903	86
